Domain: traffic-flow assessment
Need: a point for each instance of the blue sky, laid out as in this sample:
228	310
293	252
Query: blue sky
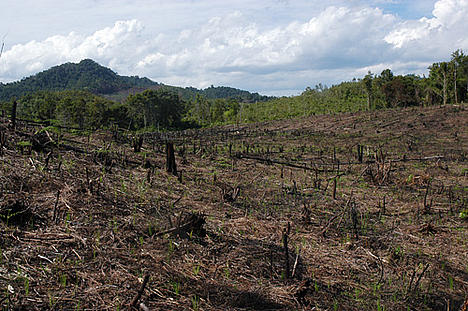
276	47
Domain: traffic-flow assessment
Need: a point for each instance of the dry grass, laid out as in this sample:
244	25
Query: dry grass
349	253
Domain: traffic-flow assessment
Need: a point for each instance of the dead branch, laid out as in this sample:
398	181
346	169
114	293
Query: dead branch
140	292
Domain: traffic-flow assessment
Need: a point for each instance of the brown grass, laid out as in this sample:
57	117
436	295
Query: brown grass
349	253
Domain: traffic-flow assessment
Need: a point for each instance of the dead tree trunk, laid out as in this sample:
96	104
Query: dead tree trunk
3	140
444	88
13	115
360	153
455	85
137	143
334	188
170	159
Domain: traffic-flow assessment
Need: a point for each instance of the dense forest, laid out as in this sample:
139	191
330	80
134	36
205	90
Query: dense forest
73	95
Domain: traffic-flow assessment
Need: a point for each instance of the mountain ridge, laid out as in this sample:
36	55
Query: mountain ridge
90	76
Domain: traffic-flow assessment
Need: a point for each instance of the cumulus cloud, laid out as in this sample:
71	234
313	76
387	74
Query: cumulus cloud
108	45
446	29
335	44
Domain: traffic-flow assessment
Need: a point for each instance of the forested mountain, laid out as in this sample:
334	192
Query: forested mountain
86	75
189	93
90	76
229	93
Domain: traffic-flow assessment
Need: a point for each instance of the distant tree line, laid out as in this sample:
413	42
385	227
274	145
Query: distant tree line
170	108
82	109
447	83
151	109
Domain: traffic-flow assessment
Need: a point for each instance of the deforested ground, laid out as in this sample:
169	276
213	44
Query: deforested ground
363	211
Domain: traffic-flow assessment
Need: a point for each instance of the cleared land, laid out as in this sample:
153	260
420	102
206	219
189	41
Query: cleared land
85	220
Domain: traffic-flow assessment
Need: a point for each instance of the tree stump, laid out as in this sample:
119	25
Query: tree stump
170	159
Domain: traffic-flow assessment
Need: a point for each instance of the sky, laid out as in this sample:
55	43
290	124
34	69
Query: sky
274	47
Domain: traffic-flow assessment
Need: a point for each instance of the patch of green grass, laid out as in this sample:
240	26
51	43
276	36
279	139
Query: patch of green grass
24	143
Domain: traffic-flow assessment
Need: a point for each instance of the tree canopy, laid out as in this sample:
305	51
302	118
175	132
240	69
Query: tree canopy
156	108
166	107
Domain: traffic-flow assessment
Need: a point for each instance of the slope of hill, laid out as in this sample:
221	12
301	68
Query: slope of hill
90	76
85	75
229	92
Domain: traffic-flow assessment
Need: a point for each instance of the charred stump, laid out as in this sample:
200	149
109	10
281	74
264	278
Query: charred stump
137	143
13	115
171	166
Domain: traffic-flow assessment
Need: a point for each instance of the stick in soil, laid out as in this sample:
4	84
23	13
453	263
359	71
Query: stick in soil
360	151
420	276
354	218
55	207
409	290
295	263
427	207
271	262
179	177
383	205
334	189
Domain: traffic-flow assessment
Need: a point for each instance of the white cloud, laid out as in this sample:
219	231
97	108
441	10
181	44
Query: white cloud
232	44
337	43
108	45
446	29
411	31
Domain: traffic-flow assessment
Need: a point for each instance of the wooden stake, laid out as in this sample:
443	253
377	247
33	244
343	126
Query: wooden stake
54	217
383	205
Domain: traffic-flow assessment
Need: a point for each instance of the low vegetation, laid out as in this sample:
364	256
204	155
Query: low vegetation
354	211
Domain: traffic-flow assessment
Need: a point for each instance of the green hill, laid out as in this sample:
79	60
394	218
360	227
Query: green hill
85	75
90	76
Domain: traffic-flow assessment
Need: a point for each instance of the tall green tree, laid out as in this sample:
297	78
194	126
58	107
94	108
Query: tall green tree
368	87
400	92
439	74
157	108
459	63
